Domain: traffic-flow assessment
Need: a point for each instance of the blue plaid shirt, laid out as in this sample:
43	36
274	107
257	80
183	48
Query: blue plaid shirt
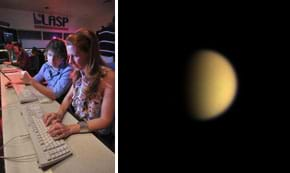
58	81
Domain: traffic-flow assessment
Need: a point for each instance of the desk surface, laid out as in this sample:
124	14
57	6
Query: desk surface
89	154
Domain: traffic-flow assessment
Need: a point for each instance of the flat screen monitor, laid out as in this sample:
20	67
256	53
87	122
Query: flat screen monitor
7	37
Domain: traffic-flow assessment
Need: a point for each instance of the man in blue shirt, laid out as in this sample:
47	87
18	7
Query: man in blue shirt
58	80
55	72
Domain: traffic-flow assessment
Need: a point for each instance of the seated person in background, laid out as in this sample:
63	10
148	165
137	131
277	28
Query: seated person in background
35	58
106	38
92	94
23	60
56	72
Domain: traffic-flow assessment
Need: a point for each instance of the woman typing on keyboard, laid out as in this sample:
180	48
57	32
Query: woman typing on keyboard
56	72
92	93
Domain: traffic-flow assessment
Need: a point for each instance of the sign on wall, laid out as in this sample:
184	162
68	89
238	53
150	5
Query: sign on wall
46	21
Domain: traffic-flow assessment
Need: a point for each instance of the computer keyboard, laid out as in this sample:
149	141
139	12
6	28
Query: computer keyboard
26	96
48	150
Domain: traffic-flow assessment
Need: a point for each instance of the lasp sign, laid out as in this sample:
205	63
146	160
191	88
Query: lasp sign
46	21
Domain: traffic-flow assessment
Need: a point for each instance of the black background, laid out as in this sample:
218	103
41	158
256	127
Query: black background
155	129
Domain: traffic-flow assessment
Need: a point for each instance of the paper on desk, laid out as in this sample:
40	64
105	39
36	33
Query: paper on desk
10	70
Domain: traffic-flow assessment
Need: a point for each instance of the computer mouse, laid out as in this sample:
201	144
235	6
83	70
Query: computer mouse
9	86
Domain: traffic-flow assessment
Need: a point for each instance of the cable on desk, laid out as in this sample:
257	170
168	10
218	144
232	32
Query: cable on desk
13	139
16	157
23	158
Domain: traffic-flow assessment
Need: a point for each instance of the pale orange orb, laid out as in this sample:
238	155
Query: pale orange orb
212	85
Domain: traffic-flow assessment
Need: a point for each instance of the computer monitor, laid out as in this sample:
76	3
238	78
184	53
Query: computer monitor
8	36
4	56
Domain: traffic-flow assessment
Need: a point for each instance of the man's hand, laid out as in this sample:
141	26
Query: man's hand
9	84
26	78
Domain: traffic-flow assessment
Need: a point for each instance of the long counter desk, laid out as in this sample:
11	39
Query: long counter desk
89	153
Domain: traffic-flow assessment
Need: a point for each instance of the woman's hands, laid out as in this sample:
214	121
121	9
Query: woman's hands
59	131
51	118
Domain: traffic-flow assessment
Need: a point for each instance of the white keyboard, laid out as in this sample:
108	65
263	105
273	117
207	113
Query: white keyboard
47	149
27	96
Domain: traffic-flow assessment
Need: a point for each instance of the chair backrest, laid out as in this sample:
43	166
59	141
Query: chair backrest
41	59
